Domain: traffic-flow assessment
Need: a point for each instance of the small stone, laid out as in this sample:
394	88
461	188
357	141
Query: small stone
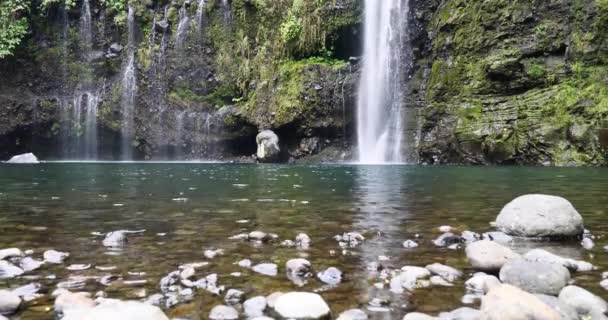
8	270
447	239
439	281
353	314
445	229
28	292
245	263
587	243
210	254
223	313
234	297
481	283
301	305
9	302
28	264
115	239
298	270
331	276
410	244
470	236
116	309
10	253
446	272
78	267
258	236
302	241
55	257
268	269
255	306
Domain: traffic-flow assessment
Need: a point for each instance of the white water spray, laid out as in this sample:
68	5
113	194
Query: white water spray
128	91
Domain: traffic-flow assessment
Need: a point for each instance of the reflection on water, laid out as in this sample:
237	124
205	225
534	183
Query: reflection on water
188	208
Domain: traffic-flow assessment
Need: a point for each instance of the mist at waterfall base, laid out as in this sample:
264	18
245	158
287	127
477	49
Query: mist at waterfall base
380	123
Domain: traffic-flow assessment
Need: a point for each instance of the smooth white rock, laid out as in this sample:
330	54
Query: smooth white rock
24	158
301	305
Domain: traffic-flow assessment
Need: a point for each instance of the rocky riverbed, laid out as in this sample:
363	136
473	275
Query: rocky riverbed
534	257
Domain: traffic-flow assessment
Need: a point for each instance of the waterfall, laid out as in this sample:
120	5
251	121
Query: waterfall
182	27
179	134
79	126
379	110
227	12
128	92
86	33
200	13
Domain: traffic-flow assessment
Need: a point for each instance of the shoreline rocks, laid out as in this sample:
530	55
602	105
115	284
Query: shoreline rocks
301	305
485	255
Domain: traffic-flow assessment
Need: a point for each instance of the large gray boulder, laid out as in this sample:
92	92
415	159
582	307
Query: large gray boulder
565	311
535	276
301	305
486	255
268	146
537	215
24	158
506	302
584	302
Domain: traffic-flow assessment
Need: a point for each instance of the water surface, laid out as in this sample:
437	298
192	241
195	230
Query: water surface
186	208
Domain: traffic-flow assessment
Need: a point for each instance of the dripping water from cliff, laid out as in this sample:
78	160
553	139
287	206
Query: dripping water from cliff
182	27
128	87
200	14
379	111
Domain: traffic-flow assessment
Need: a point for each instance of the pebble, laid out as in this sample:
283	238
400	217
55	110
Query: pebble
234	297
410	244
439	281
302	241
55	257
222	312
78	267
254	307
331	276
211	253
10	253
30	264
587	243
447	239
8	270
245	263
298	270
535	276
353	314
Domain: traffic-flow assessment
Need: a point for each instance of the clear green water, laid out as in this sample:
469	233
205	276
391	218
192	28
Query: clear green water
58	205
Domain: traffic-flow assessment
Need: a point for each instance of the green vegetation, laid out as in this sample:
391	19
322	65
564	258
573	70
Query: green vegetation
13	24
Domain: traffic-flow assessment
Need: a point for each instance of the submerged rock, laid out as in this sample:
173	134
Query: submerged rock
9	302
55	257
507	302
29	264
534	276
303	241
223	313
410	244
488	255
10	253
298	270
353	314
24	158
268	146
254	307
446	272
447	239
28	292
537	215
234	296
8	270
301	305
331	276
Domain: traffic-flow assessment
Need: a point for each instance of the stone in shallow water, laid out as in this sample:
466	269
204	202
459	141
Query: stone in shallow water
447	239
8	270
587	243
67	300
10	252
29	264
439	281
212	253
418	316
481	283
410	244
268	269
488	255
301	305
353	314
535	277
255	306
537	215
78	267
298	270
303	241
584	302
234	296
464	313
565	311
446	272
507	302
28	292
545	256
245	263
9	302
223	313
55	257
331	276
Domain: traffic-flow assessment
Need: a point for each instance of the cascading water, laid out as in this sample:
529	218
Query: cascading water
200	14
227	12
379	112
182	27
86	31
128	87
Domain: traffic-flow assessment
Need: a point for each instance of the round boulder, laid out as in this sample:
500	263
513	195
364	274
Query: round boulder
537	215
584	302
506	302
301	305
488	255
535	276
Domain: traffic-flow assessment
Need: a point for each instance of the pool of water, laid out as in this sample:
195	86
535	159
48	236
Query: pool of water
186	208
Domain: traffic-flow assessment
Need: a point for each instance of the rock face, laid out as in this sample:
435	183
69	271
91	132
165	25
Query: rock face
23	158
488	255
301	305
506	302
535	277
538	215
268	146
